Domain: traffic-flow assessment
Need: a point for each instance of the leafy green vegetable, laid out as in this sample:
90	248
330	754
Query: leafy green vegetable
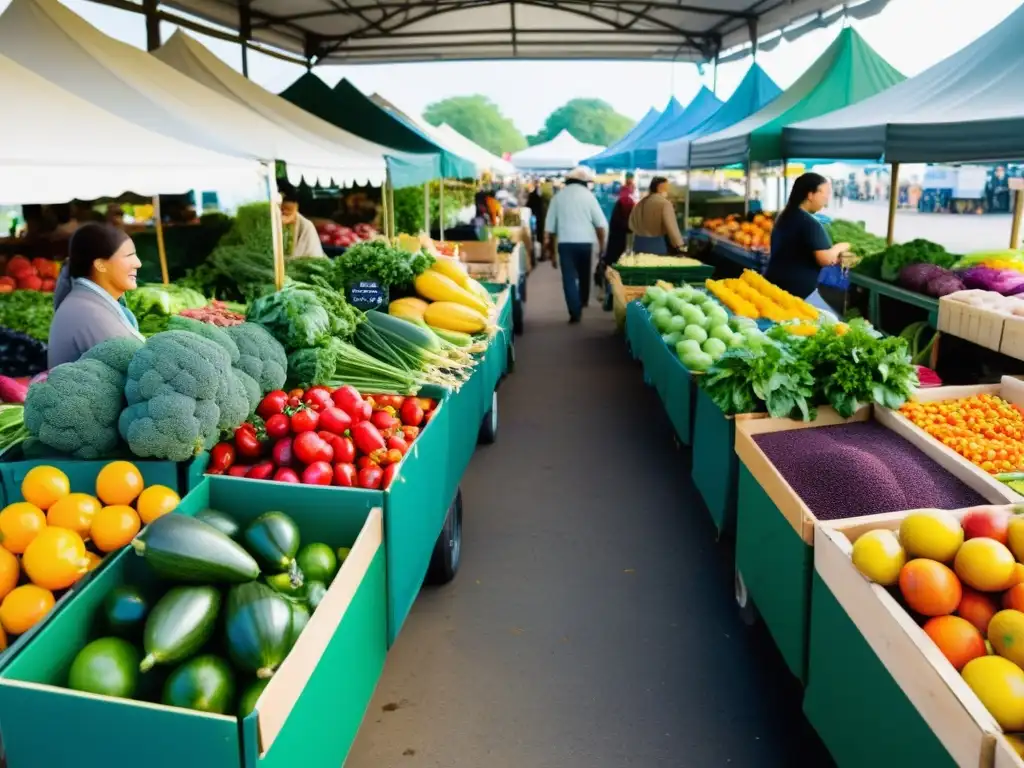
862	243
919	251
773	379
376	260
30	312
294	316
153	305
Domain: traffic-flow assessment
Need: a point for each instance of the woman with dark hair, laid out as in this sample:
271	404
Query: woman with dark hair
800	245
653	222
89	296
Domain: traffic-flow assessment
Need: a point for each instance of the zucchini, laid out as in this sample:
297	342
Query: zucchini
124	610
251	695
458	338
415	334
179	625
273	539
107	667
205	684
258	625
222	521
184	549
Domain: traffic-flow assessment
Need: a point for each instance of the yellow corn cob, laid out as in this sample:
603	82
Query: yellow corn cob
453	316
450	269
436	287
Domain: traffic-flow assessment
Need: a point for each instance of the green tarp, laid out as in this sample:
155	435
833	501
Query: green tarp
417	159
847	72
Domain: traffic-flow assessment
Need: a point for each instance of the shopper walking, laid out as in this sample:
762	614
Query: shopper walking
573	223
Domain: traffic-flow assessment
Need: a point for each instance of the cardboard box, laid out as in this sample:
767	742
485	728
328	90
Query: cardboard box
478	250
980	326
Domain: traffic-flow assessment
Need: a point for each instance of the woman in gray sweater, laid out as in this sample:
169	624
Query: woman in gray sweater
89	295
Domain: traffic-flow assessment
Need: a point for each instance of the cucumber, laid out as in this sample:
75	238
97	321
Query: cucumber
181	548
458	338
317	562
125	610
273	539
107	667
205	684
247	702
259	628
413	333
179	625
315	592
300	618
222	521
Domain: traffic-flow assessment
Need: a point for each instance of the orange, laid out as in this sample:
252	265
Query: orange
999	684
120	482
24	607
930	588
978	608
1006	633
74	512
114	527
93	559
3	640
19	524
932	534
984	564
1017	577
55	559
44	486
10	572
958	639
156	501
1014	597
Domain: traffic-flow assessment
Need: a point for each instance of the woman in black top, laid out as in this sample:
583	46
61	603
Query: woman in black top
800	244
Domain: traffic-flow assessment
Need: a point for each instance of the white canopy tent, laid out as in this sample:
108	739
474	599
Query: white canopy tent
473	151
561	153
64	147
47	38
191	58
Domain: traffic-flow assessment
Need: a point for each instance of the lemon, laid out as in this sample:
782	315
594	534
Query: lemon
932	534
879	556
999	684
985	565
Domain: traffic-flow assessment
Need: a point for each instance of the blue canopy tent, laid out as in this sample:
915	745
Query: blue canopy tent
754	92
622	159
644	153
599	162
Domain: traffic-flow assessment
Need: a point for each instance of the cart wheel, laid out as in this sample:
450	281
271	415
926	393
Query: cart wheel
511	365
748	611
444	562
489	427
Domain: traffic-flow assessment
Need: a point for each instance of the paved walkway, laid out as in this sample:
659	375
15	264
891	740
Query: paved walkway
592	624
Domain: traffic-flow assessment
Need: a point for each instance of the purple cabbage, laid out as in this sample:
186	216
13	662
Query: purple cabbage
1008	282
943	285
915	277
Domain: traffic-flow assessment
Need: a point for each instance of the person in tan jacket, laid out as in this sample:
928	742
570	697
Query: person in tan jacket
653	222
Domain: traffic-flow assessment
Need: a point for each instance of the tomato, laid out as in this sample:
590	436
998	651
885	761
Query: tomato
238	470
389	475
286	475
318	473
384	420
272	402
222	456
297	392
345	475
261	471
348	399
278	426
334	419
333	440
410	433
367	437
246	442
398	443
310	448
318	398
304	420
370	477
282	452
411	413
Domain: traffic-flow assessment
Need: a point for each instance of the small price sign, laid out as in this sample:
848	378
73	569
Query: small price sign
367	294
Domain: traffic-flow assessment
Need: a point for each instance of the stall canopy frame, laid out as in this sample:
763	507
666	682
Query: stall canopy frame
388	31
600	162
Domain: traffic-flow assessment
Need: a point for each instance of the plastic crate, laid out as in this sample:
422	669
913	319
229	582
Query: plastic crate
675	275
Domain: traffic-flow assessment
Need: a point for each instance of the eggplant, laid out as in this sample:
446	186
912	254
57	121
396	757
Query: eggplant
273	539
259	628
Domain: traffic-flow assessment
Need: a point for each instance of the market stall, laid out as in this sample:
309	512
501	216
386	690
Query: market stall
561	153
610	158
642	151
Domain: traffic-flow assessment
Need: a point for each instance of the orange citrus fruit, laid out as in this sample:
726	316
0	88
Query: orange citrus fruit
74	512
930	588
156	501
23	608
43	486
3	640
958	639
114	527
10	572
1006	633
55	559
93	559
984	564
932	534
1017	577
120	482
999	683
19	524
978	608
1014	597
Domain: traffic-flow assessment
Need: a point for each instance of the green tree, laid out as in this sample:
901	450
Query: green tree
479	119
592	121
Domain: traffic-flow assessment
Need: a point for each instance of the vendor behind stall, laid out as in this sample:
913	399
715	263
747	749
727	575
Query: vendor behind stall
300	236
653	222
89	295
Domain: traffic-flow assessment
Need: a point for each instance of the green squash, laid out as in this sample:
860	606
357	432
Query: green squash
258	624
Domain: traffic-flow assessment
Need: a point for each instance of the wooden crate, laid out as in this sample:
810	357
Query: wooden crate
1012	344
478	250
980	326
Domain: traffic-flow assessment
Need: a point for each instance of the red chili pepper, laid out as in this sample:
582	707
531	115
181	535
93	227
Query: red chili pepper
367	437
261	471
389	475
345	475
371	477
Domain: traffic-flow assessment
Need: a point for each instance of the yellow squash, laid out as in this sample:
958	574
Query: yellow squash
453	316
436	287
408	308
450	269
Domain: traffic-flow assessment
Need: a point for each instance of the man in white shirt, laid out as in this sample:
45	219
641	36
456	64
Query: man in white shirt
574	222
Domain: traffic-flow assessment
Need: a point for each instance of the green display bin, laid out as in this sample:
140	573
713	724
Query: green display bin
674	275
674	383
635	319
311	710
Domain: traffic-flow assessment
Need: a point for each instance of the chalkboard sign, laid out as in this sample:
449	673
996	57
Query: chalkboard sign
367	294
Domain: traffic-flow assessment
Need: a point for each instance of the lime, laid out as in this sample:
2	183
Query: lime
108	667
317	562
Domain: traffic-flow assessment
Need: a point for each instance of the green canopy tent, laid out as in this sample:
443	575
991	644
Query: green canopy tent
417	158
847	72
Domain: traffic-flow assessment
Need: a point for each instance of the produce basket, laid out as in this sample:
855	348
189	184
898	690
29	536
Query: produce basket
312	707
622	295
775	527
903	703
644	276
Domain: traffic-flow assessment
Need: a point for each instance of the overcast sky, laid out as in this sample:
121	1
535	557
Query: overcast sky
911	34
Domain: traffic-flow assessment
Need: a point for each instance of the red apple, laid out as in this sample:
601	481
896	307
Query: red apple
988	522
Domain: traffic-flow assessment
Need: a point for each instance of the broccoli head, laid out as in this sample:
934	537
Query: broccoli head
262	356
207	331
117	352
76	409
